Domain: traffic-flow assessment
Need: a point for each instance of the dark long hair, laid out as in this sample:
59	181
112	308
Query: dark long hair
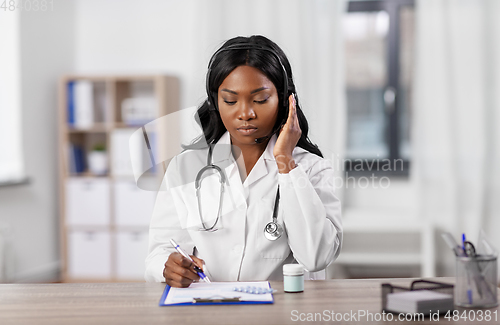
223	62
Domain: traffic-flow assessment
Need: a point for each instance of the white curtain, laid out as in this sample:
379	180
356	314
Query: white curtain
11	157
456	119
309	32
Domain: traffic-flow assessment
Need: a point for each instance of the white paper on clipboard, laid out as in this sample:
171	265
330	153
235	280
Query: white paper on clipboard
217	290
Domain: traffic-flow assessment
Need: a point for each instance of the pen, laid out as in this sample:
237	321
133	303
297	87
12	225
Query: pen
196	268
469	288
463	243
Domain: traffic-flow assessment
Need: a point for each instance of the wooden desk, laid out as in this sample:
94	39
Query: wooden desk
137	303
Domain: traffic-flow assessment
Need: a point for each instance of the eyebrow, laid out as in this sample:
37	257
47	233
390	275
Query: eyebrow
252	92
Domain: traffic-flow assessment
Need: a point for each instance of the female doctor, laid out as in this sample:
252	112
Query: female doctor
266	198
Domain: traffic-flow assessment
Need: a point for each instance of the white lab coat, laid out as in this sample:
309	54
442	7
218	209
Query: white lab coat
238	251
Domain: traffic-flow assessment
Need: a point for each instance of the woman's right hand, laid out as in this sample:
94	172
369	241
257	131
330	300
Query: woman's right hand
179	271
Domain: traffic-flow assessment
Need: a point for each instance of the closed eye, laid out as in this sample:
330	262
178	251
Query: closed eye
256	101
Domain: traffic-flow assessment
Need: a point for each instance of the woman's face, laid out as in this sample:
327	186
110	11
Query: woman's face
248	105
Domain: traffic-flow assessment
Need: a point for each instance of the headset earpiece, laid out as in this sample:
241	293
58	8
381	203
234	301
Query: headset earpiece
212	105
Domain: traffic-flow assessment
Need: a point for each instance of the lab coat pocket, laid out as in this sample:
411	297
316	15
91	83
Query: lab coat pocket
271	249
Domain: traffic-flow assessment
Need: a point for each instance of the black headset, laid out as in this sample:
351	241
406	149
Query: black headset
212	102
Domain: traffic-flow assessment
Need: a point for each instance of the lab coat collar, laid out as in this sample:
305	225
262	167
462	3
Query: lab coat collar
268	153
222	149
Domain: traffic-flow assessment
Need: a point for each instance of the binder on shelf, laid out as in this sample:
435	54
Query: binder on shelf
80	104
71	103
84	104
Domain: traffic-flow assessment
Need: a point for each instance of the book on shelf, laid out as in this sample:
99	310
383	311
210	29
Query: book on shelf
76	156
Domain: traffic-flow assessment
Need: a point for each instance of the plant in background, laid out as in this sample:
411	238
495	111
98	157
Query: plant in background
99	147
98	160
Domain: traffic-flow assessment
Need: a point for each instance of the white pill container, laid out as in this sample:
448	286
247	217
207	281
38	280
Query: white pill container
293	278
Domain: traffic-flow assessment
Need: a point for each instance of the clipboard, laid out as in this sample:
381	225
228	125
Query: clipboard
216	293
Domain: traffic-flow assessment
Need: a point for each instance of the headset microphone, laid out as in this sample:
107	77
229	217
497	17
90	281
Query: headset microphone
260	140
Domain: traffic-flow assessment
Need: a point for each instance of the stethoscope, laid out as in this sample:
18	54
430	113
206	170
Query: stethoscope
272	231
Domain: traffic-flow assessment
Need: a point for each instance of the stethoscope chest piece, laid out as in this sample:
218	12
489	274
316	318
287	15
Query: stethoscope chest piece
273	231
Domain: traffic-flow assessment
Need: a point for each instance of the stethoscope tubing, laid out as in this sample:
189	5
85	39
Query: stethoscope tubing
272	230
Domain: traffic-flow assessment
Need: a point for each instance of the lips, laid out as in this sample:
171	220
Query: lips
247	129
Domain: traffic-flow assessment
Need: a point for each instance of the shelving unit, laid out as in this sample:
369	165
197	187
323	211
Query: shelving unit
105	217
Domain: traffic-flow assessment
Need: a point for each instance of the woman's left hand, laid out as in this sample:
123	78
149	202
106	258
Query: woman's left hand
287	140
